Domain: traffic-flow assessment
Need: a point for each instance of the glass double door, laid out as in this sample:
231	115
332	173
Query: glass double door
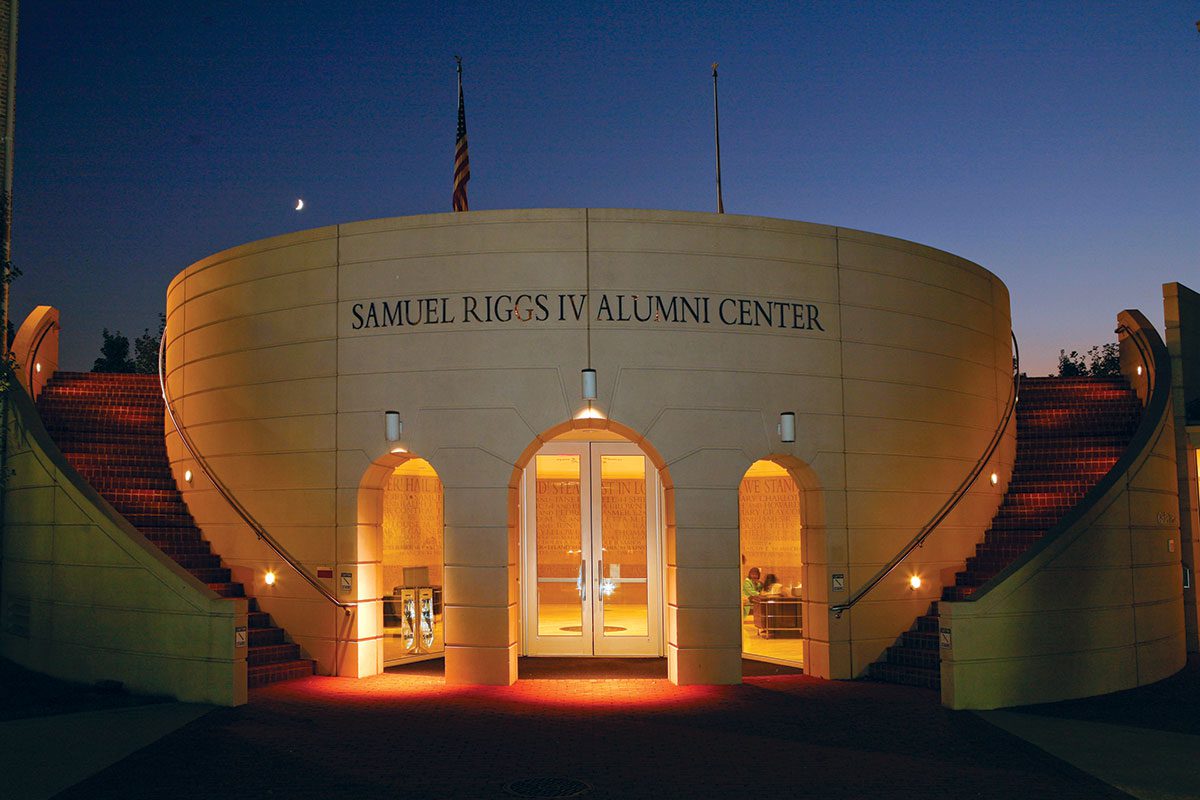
592	565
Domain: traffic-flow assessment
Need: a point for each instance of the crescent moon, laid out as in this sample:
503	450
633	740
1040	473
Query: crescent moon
299	204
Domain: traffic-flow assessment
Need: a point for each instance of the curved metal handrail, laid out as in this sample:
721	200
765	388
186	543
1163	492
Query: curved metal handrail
225	492
954	499
1147	362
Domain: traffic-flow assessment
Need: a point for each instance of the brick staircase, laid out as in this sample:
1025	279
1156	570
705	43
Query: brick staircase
110	428
1070	433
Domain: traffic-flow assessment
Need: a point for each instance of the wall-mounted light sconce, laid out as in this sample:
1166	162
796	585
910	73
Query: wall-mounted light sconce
787	426
187	477
269	578
37	367
589	383
1139	369
994	479
392	425
914	582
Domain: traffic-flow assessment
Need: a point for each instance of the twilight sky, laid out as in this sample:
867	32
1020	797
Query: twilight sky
1057	144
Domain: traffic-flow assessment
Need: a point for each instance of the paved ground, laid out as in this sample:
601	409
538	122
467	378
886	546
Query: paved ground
405	734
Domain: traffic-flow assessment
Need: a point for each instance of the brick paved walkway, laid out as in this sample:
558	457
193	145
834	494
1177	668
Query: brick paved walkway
409	735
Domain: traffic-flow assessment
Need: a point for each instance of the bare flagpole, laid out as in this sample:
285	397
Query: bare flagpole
717	133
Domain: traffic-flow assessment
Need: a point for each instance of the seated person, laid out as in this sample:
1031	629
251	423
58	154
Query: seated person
751	587
772	586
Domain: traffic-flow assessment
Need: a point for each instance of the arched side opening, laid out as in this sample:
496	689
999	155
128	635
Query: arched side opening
402	508
771	529
771	533
412	564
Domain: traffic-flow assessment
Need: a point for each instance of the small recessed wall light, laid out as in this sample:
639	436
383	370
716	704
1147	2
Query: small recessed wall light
995	479
1139	369
787	426
269	578
914	582
589	383
392	425
37	367
187	476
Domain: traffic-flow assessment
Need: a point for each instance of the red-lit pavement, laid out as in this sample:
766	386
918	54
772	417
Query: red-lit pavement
408	735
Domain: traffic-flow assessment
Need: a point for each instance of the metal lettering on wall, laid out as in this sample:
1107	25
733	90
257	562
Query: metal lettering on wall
543	307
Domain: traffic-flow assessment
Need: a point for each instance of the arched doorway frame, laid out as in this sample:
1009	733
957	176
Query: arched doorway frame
594	424
812	518
371	488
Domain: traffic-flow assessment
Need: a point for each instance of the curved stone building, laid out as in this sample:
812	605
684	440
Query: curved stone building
283	357
598	432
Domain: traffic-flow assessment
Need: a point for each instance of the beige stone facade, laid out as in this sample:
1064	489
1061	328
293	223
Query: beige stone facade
283	356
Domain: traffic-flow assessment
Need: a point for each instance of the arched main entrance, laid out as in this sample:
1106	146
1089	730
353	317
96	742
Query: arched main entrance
771	526
591	548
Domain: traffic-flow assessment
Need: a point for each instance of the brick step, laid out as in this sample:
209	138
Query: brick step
927	623
283	671
228	589
272	654
920	640
265	636
134	464
955	593
183	550
141	520
258	619
212	575
911	657
112	434
905	676
196	561
108	486
119	452
1073	485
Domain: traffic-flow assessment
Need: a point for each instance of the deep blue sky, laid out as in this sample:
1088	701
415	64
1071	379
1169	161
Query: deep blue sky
1057	144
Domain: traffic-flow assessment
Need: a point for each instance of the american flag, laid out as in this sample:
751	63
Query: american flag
462	164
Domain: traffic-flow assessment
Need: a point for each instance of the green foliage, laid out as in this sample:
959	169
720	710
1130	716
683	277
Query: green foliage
1102	360
114	354
145	348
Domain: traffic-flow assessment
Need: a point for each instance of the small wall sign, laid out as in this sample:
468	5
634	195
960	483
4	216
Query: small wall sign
945	638
325	572
346	585
239	636
839	581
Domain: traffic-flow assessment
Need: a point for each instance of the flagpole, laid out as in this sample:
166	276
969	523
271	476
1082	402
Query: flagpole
462	165
717	135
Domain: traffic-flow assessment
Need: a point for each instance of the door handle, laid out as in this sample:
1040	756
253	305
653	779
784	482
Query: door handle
599	580
583	579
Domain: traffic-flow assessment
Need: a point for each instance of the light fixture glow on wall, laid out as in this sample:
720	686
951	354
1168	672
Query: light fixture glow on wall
995	479
187	476
269	578
914	582
787	426
589	383
37	367
392	425
1139	369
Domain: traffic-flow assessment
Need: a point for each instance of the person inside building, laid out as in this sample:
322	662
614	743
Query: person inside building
751	587
771	585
